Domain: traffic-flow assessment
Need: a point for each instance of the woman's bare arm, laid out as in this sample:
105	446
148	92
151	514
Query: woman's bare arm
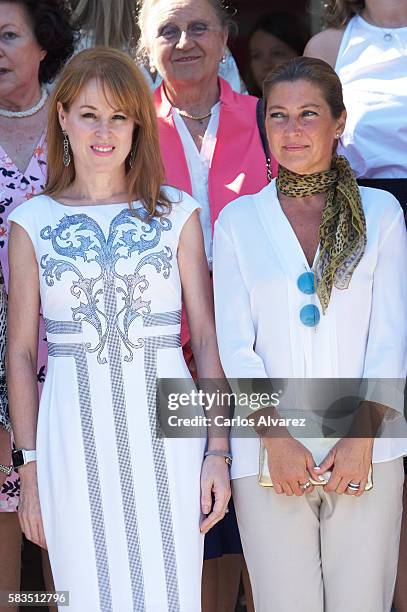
198	299
24	307
325	45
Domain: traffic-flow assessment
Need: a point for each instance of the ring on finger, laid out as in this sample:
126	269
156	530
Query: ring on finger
305	486
354	486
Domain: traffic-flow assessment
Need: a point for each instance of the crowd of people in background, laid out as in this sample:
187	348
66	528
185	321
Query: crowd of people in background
142	173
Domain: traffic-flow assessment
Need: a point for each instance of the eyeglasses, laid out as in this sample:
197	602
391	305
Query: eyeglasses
309	314
172	33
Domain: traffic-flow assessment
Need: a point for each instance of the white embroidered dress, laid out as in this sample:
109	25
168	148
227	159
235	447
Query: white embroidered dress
121	507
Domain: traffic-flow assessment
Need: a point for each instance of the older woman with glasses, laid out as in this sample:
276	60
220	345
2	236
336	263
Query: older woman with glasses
209	135
314	268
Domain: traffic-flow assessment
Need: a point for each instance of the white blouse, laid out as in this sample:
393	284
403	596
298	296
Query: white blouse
199	163
257	262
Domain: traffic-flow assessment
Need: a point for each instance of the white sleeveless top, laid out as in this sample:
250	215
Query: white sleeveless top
372	65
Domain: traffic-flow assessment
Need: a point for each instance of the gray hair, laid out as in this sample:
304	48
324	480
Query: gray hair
223	11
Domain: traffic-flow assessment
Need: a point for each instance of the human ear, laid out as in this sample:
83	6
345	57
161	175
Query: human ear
61	115
340	126
225	36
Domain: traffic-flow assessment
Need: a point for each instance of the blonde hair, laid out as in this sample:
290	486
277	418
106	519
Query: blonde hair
337	13
112	22
126	87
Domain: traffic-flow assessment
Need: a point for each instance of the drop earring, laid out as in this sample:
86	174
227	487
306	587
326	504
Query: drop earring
67	155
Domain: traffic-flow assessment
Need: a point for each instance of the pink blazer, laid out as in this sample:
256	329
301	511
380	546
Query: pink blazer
238	164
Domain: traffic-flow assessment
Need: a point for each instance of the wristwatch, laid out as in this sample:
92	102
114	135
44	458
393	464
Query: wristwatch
22	456
6	469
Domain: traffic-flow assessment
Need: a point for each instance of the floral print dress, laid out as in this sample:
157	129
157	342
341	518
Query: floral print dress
17	187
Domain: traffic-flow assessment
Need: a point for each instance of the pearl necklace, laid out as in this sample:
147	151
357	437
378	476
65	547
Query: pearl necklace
29	111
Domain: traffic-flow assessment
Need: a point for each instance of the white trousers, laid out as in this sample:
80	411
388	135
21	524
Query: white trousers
322	552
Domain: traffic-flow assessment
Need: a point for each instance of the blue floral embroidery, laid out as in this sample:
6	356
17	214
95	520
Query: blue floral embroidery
80	237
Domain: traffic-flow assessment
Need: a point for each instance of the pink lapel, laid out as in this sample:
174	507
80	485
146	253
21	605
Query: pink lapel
172	151
239	156
238	166
238	163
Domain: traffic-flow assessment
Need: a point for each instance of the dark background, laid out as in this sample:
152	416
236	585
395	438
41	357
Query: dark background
249	11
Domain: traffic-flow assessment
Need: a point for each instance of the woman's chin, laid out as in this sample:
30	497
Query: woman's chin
298	168
301	165
192	75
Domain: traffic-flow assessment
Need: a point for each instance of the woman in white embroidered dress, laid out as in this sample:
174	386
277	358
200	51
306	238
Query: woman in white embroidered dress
108	253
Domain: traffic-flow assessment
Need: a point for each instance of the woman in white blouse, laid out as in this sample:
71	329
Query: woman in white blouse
314	270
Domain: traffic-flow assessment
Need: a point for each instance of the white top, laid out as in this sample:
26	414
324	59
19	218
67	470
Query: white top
199	163
111	298
372	65
257	261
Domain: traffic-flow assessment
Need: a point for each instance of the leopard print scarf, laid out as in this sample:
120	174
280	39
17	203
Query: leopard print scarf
342	233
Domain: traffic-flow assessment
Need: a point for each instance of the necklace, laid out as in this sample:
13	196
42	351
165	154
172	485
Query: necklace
387	33
194	117
198	118
29	111
387	36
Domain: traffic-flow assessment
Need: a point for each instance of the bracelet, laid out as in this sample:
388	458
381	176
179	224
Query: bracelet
6	469
218	453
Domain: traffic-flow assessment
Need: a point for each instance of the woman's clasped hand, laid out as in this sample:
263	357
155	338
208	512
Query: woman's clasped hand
291	466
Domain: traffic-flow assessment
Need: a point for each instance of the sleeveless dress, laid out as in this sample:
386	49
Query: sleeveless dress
120	506
17	187
372	66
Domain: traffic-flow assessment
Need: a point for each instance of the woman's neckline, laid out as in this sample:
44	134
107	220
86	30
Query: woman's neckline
135	202
378	28
178	109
